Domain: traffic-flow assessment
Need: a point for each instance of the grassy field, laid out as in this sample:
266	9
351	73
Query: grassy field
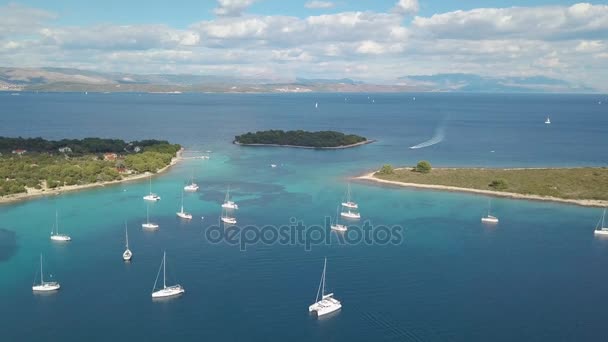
567	183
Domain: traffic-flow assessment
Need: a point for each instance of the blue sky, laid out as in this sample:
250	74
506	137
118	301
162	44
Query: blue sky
370	40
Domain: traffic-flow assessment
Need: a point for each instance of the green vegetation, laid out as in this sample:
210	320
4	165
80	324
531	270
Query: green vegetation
42	166
299	138
567	183
423	166
387	169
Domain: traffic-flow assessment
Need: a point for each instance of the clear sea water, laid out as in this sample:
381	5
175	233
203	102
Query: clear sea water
540	275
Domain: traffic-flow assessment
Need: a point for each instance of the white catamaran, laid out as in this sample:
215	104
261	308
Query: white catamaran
548	120
148	224
228	204
600	228
226	218
328	303
349	203
166	291
489	218
351	214
192	187
151	196
45	286
55	236
337	226
127	255
182	213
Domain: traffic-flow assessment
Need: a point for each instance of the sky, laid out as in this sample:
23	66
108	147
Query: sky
368	40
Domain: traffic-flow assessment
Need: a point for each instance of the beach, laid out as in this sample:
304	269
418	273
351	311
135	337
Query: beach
35	193
582	202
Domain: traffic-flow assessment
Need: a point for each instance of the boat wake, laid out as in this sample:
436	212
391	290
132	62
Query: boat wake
436	139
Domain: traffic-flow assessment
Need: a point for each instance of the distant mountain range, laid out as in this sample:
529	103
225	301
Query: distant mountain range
64	79
476	83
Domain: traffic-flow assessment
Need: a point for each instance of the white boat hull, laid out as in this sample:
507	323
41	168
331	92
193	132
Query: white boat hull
185	216
325	306
149	225
351	205
152	198
229	220
127	255
230	205
168	292
603	231
61	238
339	227
46	287
191	188
350	215
489	219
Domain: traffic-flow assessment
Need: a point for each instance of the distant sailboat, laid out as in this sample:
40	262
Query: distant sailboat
226	218
349	203
337	226
489	218
148	224
328	303
45	286
166	291
351	214
192	187
182	213
600	228
228	204
55	236
548	120
127	255
151	196
316	104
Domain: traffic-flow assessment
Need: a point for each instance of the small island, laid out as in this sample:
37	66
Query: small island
586	186
35	166
301	139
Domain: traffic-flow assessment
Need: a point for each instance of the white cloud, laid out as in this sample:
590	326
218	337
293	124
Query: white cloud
590	46
17	19
549	22
232	8
316	4
406	7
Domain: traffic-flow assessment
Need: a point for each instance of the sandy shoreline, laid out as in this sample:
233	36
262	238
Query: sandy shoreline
308	147
586	203
34	193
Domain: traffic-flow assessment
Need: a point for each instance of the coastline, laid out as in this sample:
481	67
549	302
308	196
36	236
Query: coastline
308	147
34	193
582	202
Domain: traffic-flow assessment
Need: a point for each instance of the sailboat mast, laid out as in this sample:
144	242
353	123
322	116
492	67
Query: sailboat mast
126	235
323	288
603	216
348	194
182	201
164	270
56	223
41	274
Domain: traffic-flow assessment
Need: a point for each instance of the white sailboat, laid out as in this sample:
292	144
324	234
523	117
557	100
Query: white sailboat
45	286
489	218
328	303
351	214
337	226
228	204
148	224
548	120
226	218
182	213
316	104
166	291
600	228
55	236
192	187
151	196
349	203
127	254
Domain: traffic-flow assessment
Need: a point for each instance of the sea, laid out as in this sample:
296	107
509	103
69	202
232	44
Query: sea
418	266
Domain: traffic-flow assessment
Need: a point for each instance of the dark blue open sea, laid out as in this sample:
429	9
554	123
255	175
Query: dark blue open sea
539	275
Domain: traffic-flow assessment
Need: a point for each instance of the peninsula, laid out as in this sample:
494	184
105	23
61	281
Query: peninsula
301	139
586	186
32	167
